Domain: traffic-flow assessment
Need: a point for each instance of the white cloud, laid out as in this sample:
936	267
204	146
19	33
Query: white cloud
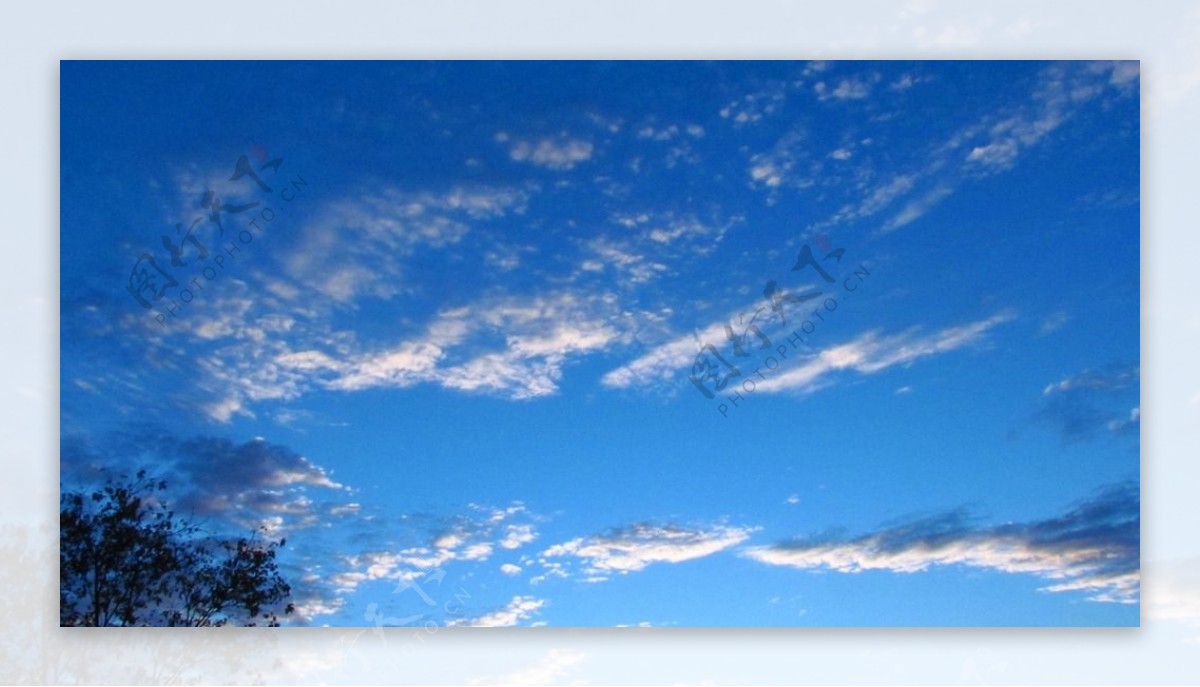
357	246
867	354
1123	72
539	333
916	208
513	347
1055	321
510	569
308	609
815	67
663	362
1084	404
998	154
559	154
662	134
635	547
636	254
469	538
1093	548
224	409
871	353
905	82
879	197
517	535
1061	91
778	167
519	609
1100	380
753	107
850	89
987	146
633	267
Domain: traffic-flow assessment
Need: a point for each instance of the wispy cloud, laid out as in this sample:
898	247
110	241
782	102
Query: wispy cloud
540	335
871	353
635	547
1092	403
989	145
785	164
877	198
652	244
1093	548
754	107
663	362
513	347
1061	91
358	246
559	154
868	353
846	89
915	208
516	611
472	537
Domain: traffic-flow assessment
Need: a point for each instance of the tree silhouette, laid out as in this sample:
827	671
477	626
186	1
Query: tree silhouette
125	559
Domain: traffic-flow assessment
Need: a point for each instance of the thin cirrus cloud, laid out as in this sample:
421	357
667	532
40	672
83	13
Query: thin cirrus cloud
1093	548
1059	94
648	241
990	145
663	363
868	353
871	353
633	548
355	247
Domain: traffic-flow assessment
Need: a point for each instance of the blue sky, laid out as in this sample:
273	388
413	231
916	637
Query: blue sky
451	343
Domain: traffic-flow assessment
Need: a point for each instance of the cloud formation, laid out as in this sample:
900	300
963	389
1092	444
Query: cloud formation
1093	548
540	335
633	548
256	484
516	611
558	154
868	353
871	353
471	537
1093	403
359	246
990	145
